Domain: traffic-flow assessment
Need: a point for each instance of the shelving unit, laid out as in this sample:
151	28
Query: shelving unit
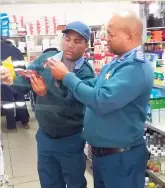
157	42
158	128
159	86
155	28
160	179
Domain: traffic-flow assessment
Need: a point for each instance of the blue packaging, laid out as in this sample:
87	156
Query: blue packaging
4	25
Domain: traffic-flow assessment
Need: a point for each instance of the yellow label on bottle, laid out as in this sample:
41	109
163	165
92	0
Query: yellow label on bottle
7	63
151	185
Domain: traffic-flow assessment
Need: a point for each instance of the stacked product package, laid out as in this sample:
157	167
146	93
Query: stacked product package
43	26
17	26
156	107
156	36
101	52
159	67
4	25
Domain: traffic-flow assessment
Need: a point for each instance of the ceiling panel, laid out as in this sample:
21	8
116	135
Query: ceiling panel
6	2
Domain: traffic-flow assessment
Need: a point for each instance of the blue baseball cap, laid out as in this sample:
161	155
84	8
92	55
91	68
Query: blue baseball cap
80	28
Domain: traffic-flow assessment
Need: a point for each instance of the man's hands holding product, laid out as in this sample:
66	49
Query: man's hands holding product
38	85
57	68
37	82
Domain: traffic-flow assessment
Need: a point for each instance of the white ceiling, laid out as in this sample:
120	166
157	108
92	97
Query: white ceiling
6	2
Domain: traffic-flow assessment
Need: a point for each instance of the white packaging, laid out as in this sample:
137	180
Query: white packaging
21	46
163	163
38	48
155	116
13	33
30	46
13	25
45	41
162	116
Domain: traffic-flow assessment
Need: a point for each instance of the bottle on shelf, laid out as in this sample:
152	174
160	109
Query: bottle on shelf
162	162
152	147
150	163
146	182
145	140
159	138
156	165
159	153
155	135
163	147
155	148
151	139
148	139
151	185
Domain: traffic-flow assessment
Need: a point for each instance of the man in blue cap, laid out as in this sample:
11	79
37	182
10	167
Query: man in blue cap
116	106
61	159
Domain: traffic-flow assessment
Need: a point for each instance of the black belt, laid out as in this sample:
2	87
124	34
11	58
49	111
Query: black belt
98	152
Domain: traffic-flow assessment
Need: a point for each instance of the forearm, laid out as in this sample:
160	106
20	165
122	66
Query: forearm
80	89
112	94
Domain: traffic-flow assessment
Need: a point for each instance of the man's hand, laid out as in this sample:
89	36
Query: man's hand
38	85
6	76
58	69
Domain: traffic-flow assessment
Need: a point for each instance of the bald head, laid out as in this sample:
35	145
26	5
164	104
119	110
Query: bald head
129	22
125	31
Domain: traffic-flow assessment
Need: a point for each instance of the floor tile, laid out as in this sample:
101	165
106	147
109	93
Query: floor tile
8	165
24	161
24	138
24	179
34	184
5	141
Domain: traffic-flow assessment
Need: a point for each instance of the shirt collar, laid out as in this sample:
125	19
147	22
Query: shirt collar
129	53
78	63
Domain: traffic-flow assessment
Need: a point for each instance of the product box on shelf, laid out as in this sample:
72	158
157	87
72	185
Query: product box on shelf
43	26
101	54
159	68
4	25
158	111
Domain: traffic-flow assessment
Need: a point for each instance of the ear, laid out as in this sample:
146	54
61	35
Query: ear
87	46
130	37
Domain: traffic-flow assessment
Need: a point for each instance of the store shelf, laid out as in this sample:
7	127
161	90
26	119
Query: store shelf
157	42
159	178
159	86
155	28
19	36
158	128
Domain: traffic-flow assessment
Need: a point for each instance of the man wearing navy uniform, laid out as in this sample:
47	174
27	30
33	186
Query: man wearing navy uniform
60	144
116	101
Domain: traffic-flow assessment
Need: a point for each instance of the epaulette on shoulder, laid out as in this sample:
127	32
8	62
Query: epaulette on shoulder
139	56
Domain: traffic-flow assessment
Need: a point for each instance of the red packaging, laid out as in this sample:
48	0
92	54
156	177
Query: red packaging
27	73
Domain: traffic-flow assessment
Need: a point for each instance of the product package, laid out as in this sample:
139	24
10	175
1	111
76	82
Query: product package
7	63
27	73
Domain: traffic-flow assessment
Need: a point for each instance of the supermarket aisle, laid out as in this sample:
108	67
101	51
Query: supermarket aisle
20	156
